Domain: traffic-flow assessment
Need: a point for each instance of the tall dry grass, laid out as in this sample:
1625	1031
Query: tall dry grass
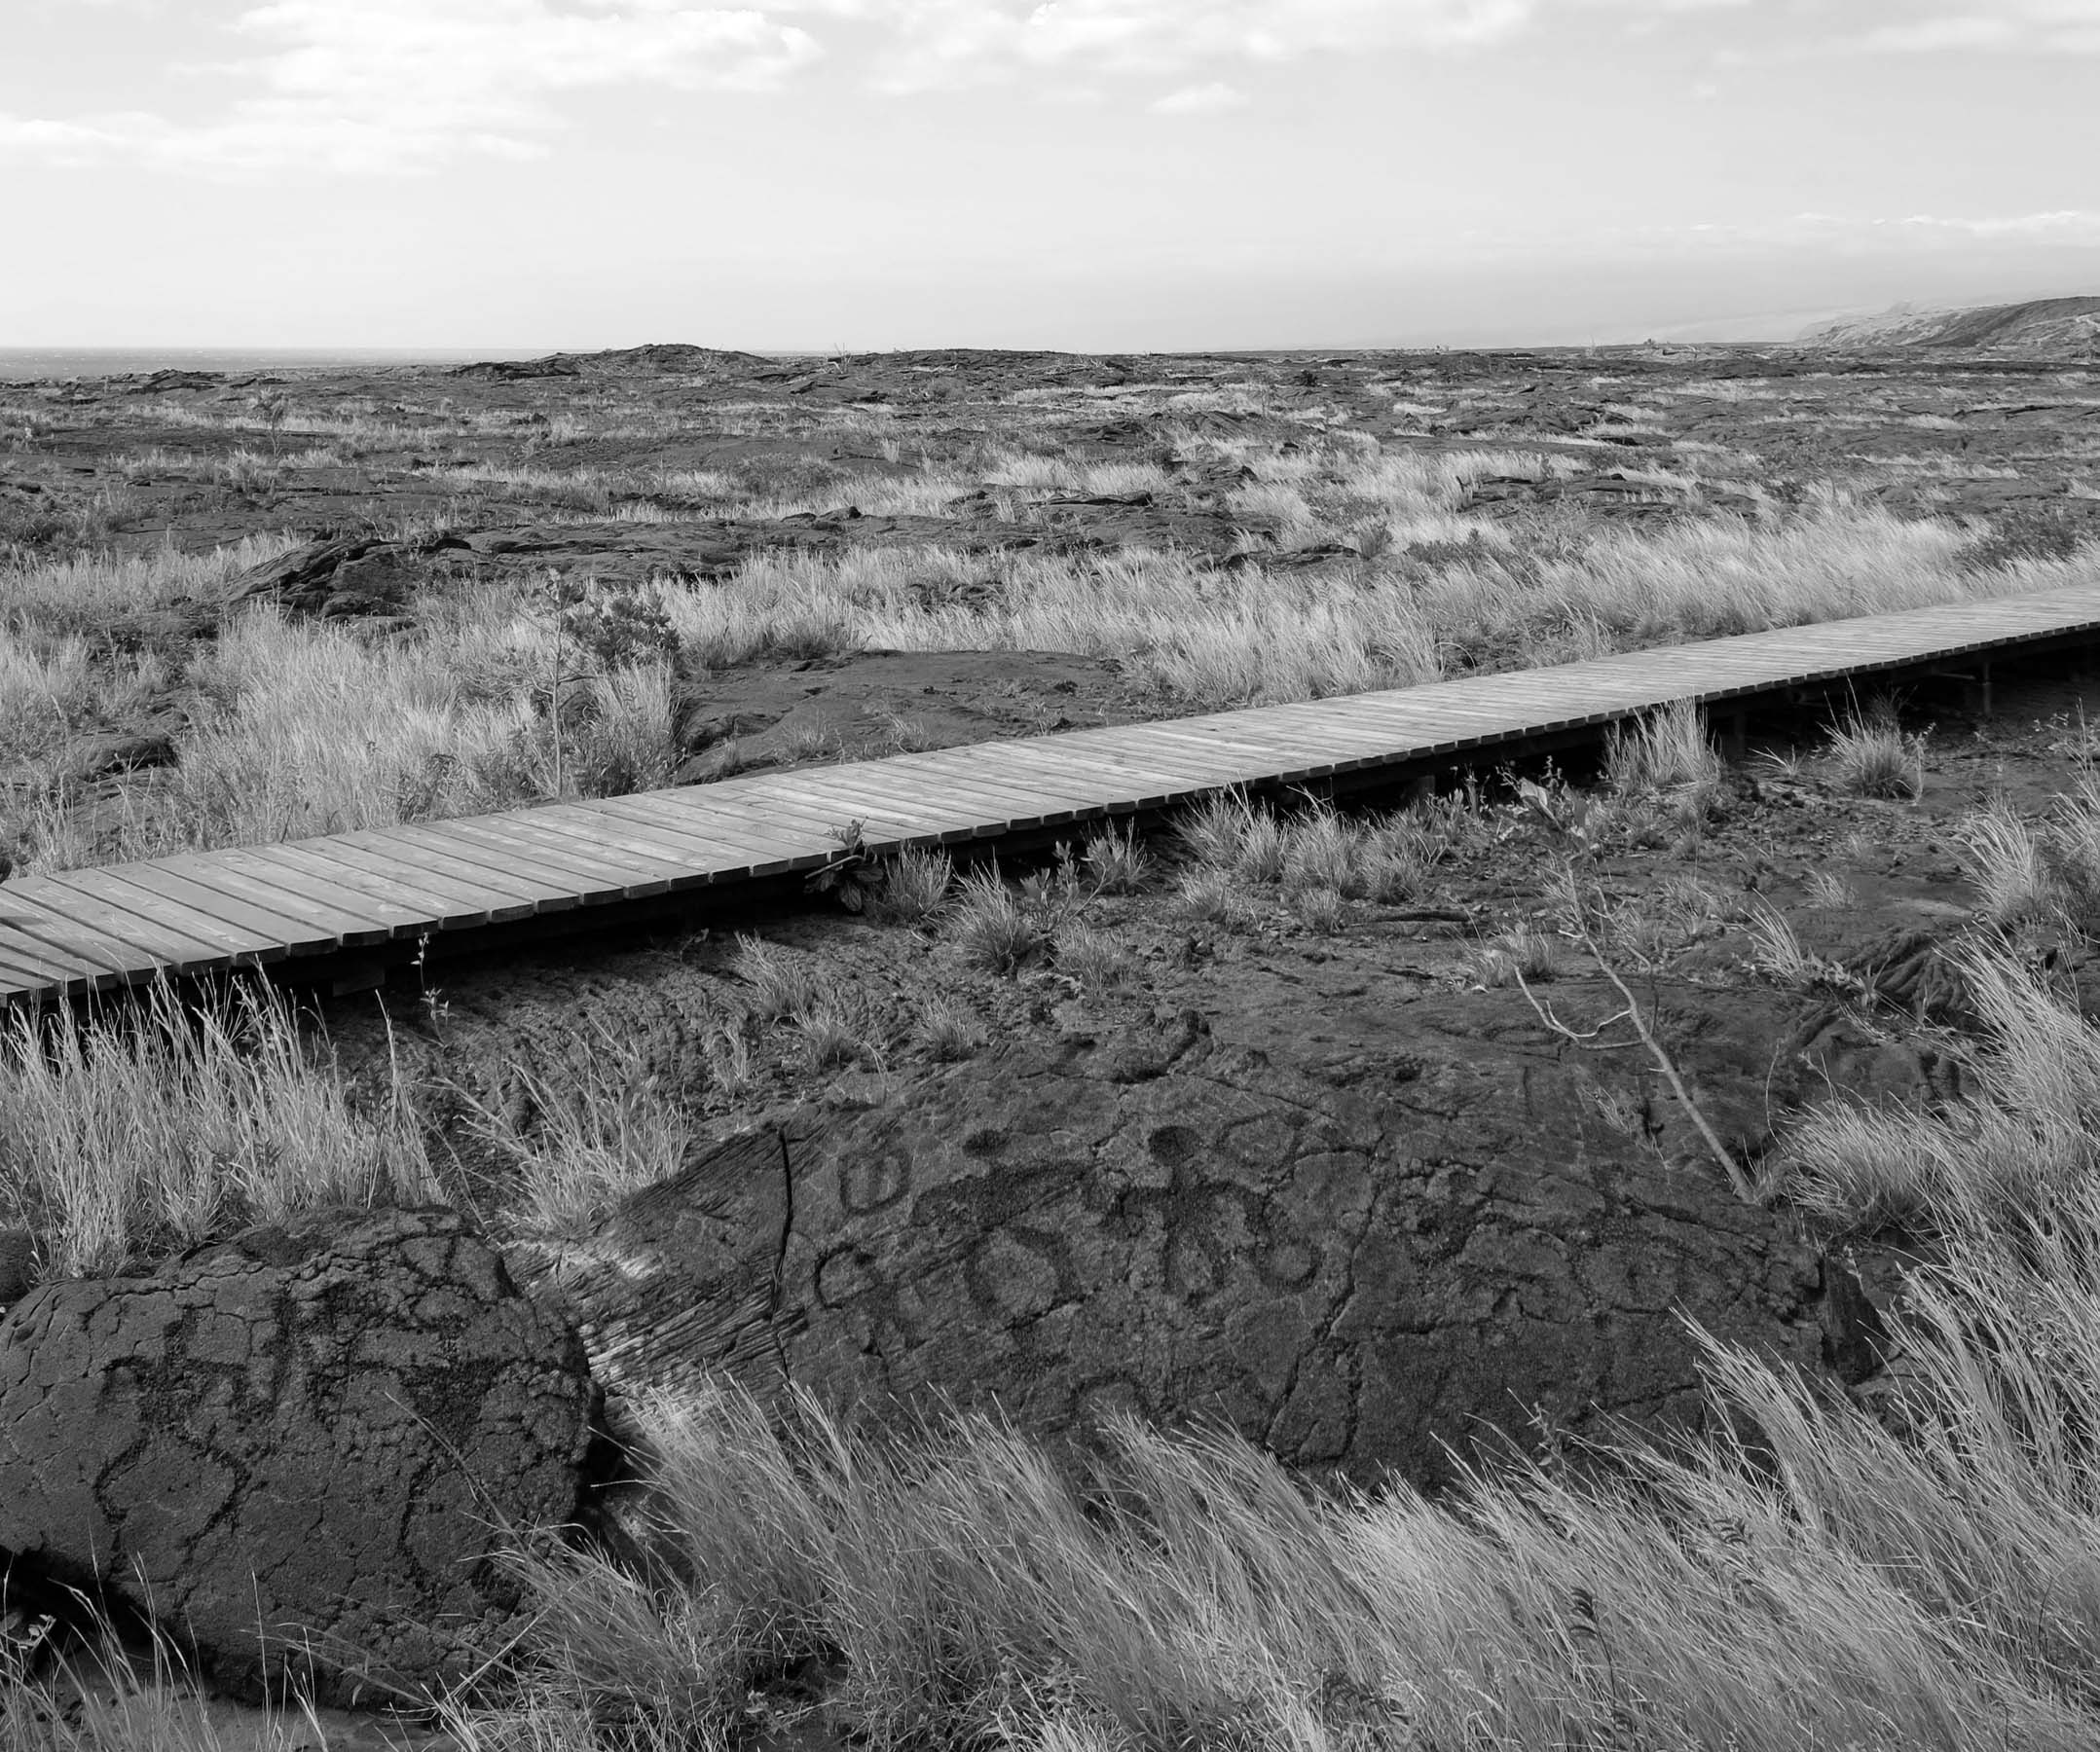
126	1138
1804	1575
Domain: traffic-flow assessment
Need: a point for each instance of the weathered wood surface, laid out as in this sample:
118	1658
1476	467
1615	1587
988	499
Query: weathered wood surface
200	912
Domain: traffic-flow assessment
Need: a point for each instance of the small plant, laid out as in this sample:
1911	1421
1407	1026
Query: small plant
1212	833
779	984
1214	898
1832	891
582	1135
830	1030
1117	862
1524	954
1872	756
990	927
1321	910
725	1049
2009	865
948	1031
1098	960
1323	851
1667	751
914	886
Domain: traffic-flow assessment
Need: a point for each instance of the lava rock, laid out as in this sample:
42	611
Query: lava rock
1360	1278
295	1450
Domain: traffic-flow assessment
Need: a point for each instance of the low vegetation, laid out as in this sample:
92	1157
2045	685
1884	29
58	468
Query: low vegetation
1916	1568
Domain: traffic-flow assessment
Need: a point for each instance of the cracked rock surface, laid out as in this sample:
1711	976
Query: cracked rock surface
315	1432
1353	1252
1183	1227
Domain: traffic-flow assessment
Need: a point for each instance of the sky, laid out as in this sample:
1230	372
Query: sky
522	176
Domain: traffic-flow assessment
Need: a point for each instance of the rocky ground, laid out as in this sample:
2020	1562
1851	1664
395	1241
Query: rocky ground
1370	1179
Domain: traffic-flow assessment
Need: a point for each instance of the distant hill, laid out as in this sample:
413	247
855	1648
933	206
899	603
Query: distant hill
2042	325
660	360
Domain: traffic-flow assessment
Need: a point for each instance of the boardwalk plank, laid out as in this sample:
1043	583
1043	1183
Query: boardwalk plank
443	907
33	912
513	894
158	932
242	947
87	930
652	855
316	923
30	970
555	858
208	896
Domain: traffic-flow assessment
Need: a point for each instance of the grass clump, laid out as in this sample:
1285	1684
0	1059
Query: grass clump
989	926
915	887
125	1139
777	984
580	1138
1228	841
1872	756
1117	862
1098	960
2001	1156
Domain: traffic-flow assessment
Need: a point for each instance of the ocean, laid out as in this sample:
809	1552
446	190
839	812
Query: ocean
20	362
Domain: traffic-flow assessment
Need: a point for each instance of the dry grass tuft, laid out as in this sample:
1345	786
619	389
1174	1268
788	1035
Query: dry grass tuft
989	926
126	1139
1872	756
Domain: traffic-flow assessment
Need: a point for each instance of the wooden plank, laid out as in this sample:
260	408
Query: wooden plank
33	967
886	815
362	923
122	916
671	861
42	924
650	871
242	947
513	894
748	813
968	780
958	798
725	837
382	916
393	852
314	923
761	852
688	841
161	876
402	910
548	857
797	805
443	907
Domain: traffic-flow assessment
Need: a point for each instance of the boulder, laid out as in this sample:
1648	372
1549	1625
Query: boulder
1356	1256
296	1450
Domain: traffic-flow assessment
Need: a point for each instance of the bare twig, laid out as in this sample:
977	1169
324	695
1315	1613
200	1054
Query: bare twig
1738	1178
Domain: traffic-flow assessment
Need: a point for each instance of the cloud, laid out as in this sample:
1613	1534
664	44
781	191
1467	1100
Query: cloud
1932	26
1202	100
390	85
394	85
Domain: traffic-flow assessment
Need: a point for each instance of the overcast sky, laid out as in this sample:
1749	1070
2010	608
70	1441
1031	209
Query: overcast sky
526	175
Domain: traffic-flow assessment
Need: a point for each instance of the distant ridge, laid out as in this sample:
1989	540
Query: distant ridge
659	359
2040	325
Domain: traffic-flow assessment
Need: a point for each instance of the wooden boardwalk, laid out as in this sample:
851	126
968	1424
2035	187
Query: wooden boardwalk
96	929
